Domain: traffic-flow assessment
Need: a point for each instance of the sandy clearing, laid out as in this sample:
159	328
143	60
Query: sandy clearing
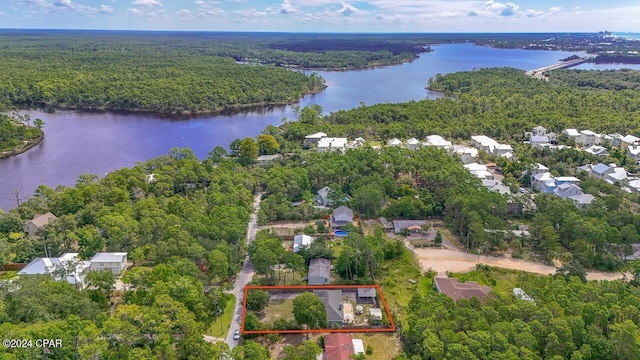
443	260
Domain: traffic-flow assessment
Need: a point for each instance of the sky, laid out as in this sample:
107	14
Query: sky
325	15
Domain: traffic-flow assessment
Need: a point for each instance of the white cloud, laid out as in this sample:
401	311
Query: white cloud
287	8
250	13
533	13
147	3
184	13
348	9
105	9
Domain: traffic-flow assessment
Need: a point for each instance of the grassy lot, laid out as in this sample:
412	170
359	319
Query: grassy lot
278	309
220	327
385	346
394	281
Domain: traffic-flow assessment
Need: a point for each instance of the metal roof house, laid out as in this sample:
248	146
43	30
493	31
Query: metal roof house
114	261
300	241
55	265
319	271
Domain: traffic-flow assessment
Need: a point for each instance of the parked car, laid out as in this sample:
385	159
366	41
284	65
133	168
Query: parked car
236	334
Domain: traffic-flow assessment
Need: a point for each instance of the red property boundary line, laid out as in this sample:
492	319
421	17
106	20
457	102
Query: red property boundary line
392	328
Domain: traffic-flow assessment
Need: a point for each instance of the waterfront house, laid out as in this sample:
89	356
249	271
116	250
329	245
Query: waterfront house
319	271
314	138
32	226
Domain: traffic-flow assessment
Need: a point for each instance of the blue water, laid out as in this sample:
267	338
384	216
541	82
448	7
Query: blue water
341	233
78	142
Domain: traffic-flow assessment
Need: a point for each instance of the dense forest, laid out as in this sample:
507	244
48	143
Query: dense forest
603	79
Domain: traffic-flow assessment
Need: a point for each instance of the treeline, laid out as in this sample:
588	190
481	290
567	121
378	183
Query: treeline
604	79
569	320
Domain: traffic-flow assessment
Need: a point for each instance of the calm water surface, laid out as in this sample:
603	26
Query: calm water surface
78	142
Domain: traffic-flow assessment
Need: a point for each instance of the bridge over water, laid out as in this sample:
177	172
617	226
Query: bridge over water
538	73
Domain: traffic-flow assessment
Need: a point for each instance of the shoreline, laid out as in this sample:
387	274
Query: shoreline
24	148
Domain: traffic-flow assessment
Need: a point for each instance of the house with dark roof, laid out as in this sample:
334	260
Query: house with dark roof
338	347
367	295
456	290
332	300
341	216
319	271
399	225
32	226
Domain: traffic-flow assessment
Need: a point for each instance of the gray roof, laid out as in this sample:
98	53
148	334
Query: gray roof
109	257
366	292
600	168
46	266
343	213
320	267
398	225
332	300
324	192
268	157
584	199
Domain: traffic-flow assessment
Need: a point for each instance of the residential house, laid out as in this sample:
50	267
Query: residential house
332	144
314	138
543	182
600	171
633	185
437	141
585	168
395	142
583	200
616	175
413	144
32	226
462	150
456	290
539	131
597	150
565	191
265	159
503	150
587	138
539	169
484	143
628	140
114	261
302	241
479	170
338	346
400	225
572	134
633	152
341	216
537	140
66	267
358	142
553	138
566	180
497	186
319	271
332	300
322	197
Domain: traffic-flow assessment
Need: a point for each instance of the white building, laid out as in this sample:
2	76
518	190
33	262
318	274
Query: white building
437	141
314	138
628	140
539	131
395	142
587	138
66	267
413	144
539	140
114	261
634	153
597	150
572	134
300	241
332	144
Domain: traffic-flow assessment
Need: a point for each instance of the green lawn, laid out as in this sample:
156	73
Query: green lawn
220	327
394	280
7	275
385	346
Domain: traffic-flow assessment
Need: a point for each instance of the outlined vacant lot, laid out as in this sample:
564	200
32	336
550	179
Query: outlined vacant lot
361	308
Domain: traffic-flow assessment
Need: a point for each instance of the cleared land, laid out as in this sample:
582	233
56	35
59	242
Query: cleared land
442	260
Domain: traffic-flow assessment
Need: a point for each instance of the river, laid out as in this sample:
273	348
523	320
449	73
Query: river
80	142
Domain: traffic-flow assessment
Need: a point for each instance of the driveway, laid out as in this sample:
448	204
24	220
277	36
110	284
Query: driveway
245	276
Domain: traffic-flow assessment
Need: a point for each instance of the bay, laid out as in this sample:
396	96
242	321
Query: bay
80	142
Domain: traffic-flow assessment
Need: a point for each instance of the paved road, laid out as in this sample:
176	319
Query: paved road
246	274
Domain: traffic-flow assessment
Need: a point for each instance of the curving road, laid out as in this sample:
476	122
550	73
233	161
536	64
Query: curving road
245	275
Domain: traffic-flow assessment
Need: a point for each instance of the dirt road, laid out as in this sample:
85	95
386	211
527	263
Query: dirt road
443	260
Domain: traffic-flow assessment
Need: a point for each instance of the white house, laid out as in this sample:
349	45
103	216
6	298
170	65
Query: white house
66	267
543	182
572	134
413	144
600	171
634	152
539	131
502	149
539	140
497	186
566	191
114	261
358	142
437	141
332	144
597	150
484	143
314	138
395	142
628	140
616	175
587	138
300	241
